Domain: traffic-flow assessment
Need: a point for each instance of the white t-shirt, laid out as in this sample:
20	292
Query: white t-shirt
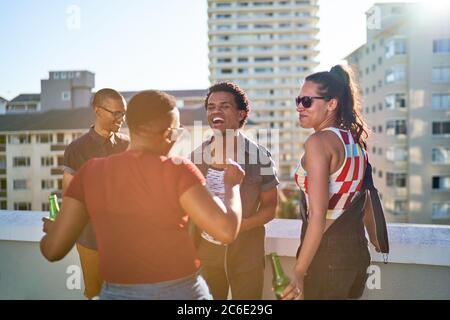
215	184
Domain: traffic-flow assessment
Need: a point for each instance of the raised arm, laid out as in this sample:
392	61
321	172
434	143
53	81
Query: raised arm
221	220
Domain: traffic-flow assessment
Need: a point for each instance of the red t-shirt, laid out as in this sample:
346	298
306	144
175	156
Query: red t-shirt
132	199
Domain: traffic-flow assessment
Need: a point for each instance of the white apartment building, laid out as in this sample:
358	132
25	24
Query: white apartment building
404	79
267	47
32	147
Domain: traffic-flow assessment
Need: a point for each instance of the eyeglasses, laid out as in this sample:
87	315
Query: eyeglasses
115	114
176	133
307	101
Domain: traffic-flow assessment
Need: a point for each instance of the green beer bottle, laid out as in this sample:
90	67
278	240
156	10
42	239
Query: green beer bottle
53	206
279	281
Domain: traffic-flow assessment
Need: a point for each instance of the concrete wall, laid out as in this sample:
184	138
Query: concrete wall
418	268
25	274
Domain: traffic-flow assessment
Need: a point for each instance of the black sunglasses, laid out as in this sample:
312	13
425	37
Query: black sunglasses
307	101
115	114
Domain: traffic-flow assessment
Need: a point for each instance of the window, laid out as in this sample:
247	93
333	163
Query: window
46	161
60	137
60	184
441	46
21	161
396	127
63	75
397	154
45	206
22	206
395	74
65	96
285	58
441	127
20	184
441	183
263	70
380	60
400	207
380	174
395	47
221	49
56	76
243	70
223	38
223	16
224	60
47	184
440	210
44	138
396	179
60	160
441	74
397	10
395	101
3	205
380	129
440	101
19	139
241	60
226	71
440	155
263	59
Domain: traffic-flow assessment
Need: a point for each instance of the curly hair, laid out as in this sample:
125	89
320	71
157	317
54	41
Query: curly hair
240	97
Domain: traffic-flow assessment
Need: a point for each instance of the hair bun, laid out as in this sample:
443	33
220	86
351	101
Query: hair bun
341	74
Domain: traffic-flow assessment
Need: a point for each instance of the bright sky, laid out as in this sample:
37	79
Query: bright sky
137	44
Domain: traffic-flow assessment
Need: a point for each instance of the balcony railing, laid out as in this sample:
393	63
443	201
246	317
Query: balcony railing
418	268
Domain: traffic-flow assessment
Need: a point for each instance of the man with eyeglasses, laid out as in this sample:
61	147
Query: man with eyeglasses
102	140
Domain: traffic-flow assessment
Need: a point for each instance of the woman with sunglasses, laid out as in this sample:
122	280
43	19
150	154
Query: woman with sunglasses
333	256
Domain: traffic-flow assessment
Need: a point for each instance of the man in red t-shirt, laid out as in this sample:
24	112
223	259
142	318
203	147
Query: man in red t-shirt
138	203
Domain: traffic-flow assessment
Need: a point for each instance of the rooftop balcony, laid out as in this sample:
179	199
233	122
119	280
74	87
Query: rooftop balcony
418	268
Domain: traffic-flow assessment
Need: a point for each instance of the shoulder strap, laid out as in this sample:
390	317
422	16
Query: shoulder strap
378	212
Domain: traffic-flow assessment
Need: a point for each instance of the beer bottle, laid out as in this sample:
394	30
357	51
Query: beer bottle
279	281
53	206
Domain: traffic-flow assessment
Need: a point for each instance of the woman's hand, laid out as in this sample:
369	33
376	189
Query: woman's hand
234	174
47	224
375	243
294	291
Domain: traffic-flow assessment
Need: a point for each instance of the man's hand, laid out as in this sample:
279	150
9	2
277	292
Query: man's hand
234	174
48	224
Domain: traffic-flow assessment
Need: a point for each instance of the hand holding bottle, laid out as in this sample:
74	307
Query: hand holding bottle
294	291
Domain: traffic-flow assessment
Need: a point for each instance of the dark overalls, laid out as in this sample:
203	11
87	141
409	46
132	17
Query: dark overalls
339	267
